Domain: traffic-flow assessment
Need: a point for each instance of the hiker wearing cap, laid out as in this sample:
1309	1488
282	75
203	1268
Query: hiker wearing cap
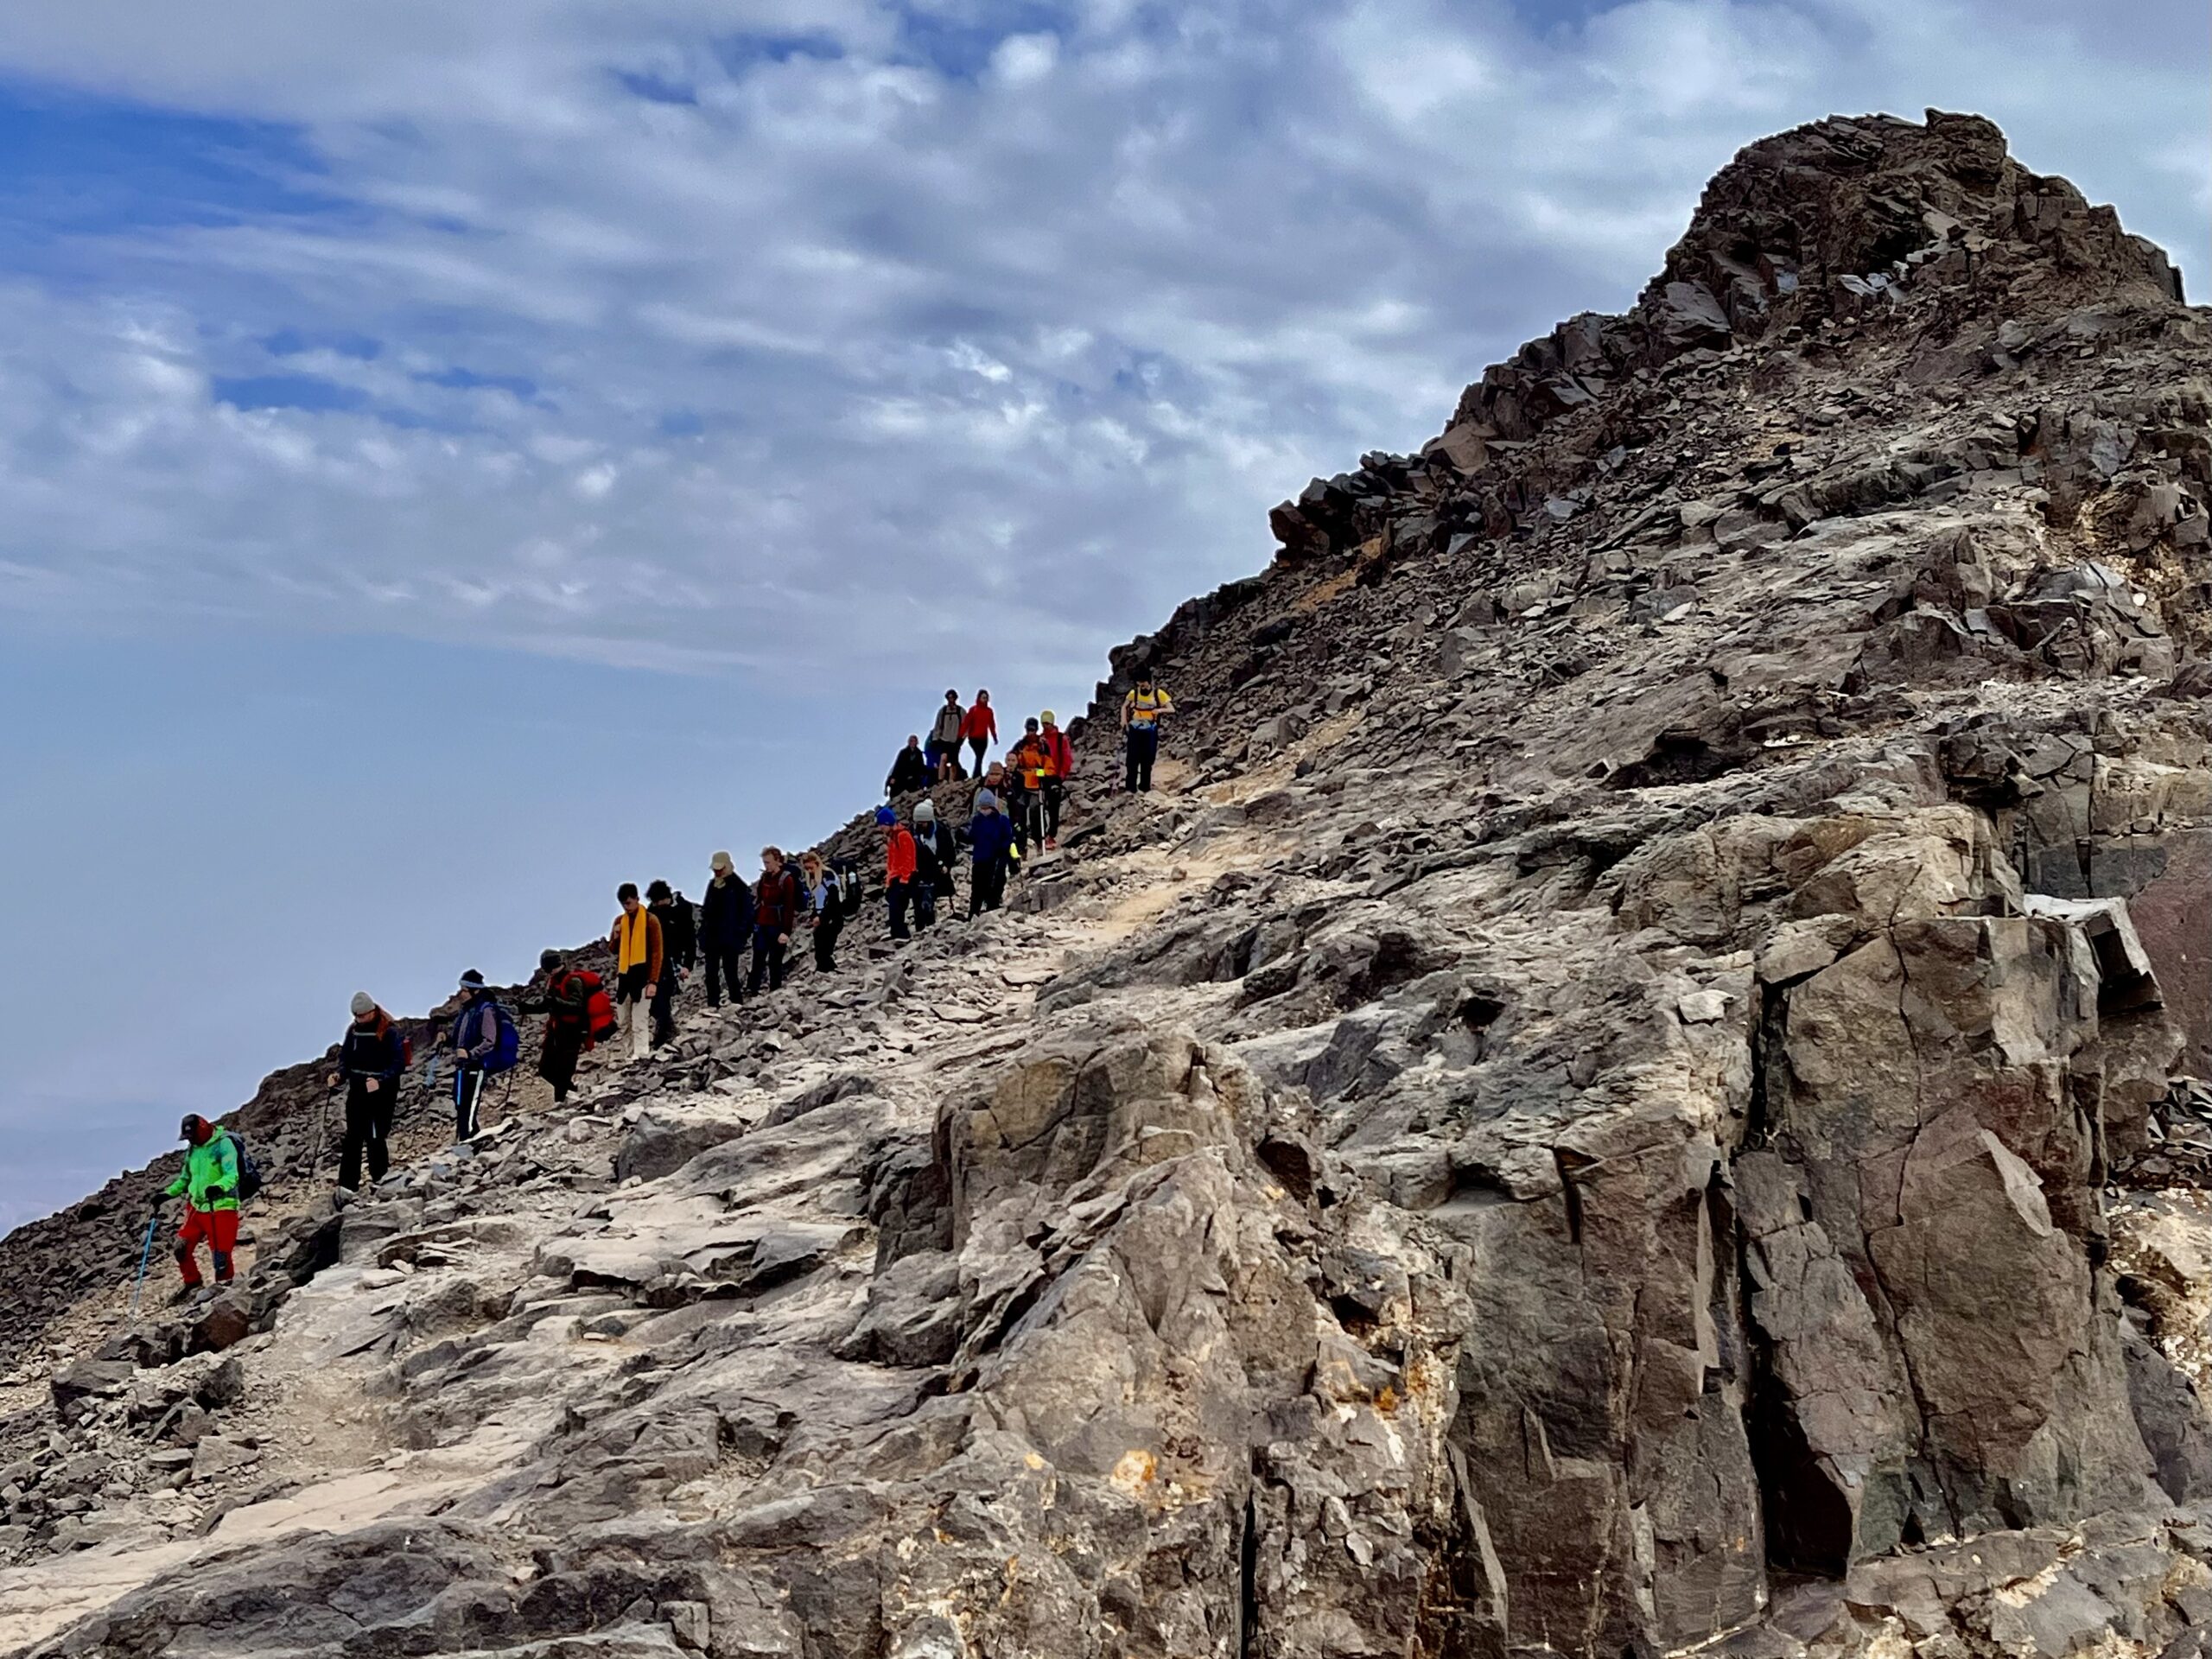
990	840
935	853
577	1011
910	770
371	1058
482	1043
679	947
775	916
944	737
898	869
639	960
1059	766
981	727
1142	709
209	1186
725	929
822	896
1026	766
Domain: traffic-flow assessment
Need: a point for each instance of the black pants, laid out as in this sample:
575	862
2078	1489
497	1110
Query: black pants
664	1005
987	889
467	1094
924	900
1142	748
826	930
556	1061
1055	792
1027	811
900	895
979	744
767	959
368	1127
725	961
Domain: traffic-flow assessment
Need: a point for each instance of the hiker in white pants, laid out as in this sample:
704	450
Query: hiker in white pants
638	964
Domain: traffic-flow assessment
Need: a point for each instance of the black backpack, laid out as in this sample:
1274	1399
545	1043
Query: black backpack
249	1172
850	885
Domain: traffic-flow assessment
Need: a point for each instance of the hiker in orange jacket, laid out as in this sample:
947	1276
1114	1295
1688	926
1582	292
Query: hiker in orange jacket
898	869
1059	755
980	727
1026	766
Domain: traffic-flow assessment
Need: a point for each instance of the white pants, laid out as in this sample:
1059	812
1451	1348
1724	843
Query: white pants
636	1025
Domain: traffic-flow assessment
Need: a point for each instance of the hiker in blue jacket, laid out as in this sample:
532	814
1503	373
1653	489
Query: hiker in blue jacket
990	840
480	1047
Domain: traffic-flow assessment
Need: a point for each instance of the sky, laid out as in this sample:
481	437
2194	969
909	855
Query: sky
454	459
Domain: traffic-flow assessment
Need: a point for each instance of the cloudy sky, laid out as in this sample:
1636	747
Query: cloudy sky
455	457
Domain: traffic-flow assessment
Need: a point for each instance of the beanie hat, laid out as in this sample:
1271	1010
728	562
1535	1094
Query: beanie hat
985	801
363	1004
885	817
1029	725
721	862
1049	718
548	959
926	812
472	981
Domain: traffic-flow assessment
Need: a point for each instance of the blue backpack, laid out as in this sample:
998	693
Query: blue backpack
506	1047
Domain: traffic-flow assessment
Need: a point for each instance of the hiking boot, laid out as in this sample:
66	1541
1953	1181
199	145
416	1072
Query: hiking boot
182	1294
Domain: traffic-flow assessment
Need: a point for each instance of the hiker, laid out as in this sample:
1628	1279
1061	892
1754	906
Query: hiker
679	945
725	929
1026	766
990	840
578	1013
1059	758
640	958
944	737
775	913
910	770
821	892
371	1058
935	851
981	728
1141	711
209	1184
898	869
483	1044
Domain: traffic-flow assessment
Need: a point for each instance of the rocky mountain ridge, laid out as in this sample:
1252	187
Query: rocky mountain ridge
1637	1094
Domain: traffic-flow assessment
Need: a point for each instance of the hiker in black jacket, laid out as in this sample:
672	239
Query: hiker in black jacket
371	1062
679	935
725	928
910	770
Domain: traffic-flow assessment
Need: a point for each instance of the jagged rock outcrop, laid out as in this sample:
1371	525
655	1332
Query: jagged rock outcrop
1636	1090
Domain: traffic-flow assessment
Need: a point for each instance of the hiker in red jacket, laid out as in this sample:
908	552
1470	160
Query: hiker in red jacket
775	916
980	727
1059	755
898	869
578	1012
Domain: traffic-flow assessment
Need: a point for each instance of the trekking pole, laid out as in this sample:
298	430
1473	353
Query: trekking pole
321	1130
145	1251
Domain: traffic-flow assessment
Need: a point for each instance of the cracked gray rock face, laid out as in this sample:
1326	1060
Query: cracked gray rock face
1636	1088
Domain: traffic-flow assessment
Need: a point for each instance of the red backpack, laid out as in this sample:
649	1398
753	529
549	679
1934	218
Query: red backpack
599	1022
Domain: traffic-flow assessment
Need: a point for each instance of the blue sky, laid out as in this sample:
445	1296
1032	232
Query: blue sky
453	459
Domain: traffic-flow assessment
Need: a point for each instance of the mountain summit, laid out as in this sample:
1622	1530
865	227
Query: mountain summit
1637	1088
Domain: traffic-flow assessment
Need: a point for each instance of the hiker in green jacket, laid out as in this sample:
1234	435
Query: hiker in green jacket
209	1185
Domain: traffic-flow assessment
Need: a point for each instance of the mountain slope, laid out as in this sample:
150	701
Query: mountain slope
1629	1093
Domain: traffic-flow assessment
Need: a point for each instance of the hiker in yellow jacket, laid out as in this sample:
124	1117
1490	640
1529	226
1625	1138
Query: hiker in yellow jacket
1141	712
638	965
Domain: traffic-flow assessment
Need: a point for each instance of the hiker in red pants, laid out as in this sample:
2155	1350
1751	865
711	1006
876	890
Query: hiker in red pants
209	1184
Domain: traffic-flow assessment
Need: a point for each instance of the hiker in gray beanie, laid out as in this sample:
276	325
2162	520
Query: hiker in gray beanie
371	1058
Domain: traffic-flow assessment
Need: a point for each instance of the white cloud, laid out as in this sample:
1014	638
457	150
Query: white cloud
871	318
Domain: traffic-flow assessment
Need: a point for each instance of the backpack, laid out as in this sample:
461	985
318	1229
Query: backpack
506	1045
850	896
249	1172
598	1020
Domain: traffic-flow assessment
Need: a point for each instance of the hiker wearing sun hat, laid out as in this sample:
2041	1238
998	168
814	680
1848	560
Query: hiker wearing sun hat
725	929
371	1058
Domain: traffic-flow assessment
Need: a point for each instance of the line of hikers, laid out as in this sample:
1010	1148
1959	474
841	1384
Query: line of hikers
659	936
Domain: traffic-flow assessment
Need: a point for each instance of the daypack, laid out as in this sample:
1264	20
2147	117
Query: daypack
506	1045
249	1172
599	1022
850	894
